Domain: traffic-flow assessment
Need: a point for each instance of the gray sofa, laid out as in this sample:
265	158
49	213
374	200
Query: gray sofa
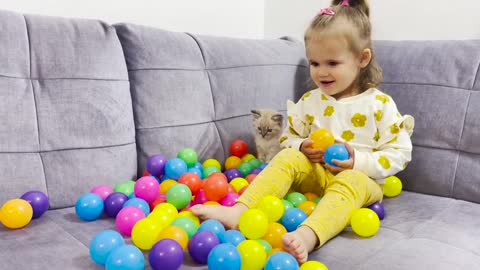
84	103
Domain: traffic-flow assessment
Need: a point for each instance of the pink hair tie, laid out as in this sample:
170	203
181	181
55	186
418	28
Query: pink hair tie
345	3
326	11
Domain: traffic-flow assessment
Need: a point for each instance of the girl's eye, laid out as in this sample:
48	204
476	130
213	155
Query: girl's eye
313	64
332	63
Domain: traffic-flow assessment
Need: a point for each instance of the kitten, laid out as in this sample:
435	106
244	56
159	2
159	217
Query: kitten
268	127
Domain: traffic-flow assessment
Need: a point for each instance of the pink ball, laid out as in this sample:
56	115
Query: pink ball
229	199
126	219
102	190
147	188
200	198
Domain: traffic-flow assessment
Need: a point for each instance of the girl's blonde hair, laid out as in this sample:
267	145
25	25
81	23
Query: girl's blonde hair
357	14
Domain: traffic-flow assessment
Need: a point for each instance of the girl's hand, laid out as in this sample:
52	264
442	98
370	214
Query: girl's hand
342	164
314	155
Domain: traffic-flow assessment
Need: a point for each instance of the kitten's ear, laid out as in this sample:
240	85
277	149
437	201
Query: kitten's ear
256	114
278	118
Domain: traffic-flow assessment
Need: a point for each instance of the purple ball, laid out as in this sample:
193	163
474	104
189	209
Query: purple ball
156	165
232	174
114	203
166	254
378	208
38	200
256	171
201	244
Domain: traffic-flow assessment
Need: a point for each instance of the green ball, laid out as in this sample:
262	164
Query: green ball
186	224
125	187
317	200
179	195
287	205
209	170
189	156
296	198
265	245
254	162
245	168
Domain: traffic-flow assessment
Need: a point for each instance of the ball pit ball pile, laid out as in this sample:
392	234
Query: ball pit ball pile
18	212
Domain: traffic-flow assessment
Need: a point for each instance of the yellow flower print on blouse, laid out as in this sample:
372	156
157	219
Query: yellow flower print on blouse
378	115
328	111
282	139
324	97
290	121
384	162
292	131
306	95
348	135
376	136
393	140
310	118
382	98
394	129
358	120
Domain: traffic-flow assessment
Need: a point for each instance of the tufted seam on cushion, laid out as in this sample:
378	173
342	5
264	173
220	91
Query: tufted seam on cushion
35	101
476	76
428	84
452	188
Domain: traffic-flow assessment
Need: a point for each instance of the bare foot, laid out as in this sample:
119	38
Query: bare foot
228	216
300	242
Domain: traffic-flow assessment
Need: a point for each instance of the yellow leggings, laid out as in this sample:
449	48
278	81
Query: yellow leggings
342	193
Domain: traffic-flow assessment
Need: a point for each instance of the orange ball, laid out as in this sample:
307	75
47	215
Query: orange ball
273	250
211	203
176	233
215	186
322	138
250	177
192	181
310	196
166	185
232	162
307	207
242	190
274	235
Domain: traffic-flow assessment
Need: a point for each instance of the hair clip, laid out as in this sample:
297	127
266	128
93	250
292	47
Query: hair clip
326	11
345	3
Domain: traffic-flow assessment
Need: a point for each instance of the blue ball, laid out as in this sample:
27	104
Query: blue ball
292	218
140	203
335	151
89	206
175	167
281	261
233	237
126	257
199	166
103	244
212	225
263	165
196	171
224	257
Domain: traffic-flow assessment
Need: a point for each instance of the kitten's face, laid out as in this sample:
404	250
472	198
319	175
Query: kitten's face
267	124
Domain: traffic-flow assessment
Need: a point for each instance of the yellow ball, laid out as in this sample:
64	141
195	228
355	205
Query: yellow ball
392	186
164	214
253	224
176	233
212	162
307	207
16	213
191	216
232	162
166	185
211	203
253	255
247	158
322	138
272	206
239	183
145	233
365	222
313	265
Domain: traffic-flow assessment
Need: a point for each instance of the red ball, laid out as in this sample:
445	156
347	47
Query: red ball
231	189
250	177
215	186
192	181
161	198
240	192
146	173
238	148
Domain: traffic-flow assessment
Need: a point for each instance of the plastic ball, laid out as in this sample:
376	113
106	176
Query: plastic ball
213	226
242	190
254	162
176	233
201	244
190	215
147	188
189	156
126	187
126	219
274	234
233	237
195	171
307	207
139	203
365	222
245	168
265	245
281	261
179	195
38	200
296	198
313	265
145	232
164	214
200	198
16	213
125	257
161	198
250	177
335	151
192	180
187	224
310	196
287	205
263	166
253	223
317	200
166	185
239	183
230	199
103	243
392	186
253	255
232	162
88	207
166	254
114	203
378	209
255	171
272	206
293	218
210	170
232	174
322	139
224	257
212	162
156	165
175	167
102	190
247	157
238	148
215	186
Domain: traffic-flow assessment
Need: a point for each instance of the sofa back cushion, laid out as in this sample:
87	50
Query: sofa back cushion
438	83
197	91
66	120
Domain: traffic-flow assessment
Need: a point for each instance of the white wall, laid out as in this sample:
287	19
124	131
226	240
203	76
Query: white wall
233	18
391	19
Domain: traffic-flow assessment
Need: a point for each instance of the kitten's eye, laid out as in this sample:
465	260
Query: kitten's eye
259	129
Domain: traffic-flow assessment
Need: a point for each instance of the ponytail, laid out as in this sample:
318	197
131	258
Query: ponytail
361	5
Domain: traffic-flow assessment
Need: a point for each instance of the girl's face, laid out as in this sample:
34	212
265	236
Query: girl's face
333	66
